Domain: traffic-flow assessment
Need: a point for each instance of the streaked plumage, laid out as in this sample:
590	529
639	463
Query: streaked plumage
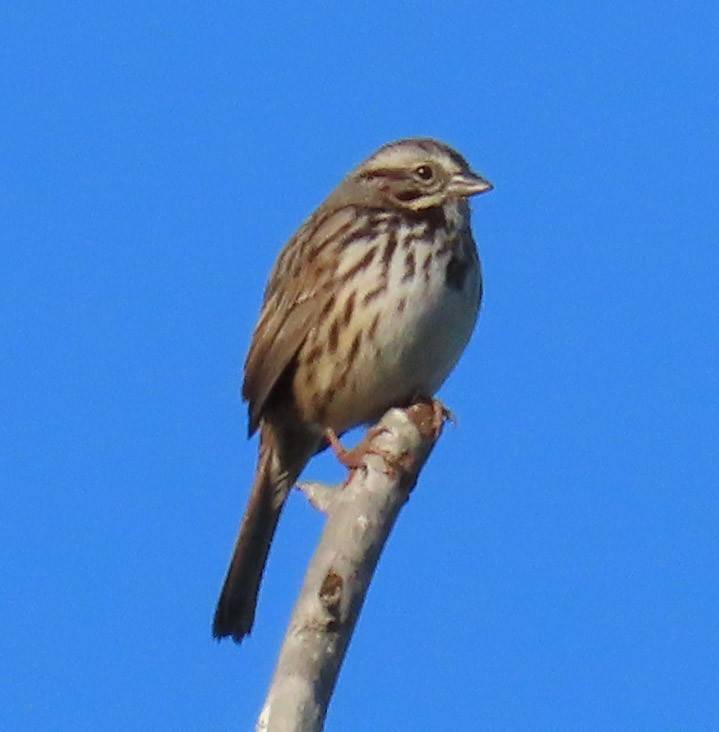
368	306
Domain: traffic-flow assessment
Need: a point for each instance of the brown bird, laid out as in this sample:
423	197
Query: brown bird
369	306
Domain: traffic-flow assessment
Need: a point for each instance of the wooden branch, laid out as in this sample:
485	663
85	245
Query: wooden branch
360	516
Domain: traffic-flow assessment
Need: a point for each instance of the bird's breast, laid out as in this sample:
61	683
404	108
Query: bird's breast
395	333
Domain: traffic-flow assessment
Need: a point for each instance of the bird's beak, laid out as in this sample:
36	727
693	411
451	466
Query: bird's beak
464	185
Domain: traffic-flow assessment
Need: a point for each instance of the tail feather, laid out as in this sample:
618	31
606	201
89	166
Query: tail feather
235	611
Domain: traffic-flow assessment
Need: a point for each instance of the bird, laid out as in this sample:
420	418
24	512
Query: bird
368	306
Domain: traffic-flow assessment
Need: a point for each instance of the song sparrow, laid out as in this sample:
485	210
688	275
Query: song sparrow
369	306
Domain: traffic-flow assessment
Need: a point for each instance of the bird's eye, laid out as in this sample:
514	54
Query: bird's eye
424	172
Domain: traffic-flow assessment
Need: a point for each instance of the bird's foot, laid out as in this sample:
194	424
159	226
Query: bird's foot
439	415
352	459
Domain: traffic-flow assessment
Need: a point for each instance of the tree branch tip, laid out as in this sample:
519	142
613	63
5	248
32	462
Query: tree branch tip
360	516
319	495
395	436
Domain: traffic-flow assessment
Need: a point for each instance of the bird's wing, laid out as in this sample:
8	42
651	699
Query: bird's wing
299	287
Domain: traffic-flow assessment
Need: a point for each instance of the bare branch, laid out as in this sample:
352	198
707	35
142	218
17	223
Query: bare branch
360	516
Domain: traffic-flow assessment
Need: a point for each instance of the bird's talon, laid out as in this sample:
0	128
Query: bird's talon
440	415
351	459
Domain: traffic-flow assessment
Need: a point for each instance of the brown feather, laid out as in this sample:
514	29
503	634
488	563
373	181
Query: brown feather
291	309
284	451
369	305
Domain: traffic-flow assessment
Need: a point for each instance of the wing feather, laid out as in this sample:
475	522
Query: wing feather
299	287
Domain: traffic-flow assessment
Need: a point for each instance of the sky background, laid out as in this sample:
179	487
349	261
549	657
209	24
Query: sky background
556	567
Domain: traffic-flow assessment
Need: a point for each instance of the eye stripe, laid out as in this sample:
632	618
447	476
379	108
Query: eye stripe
391	173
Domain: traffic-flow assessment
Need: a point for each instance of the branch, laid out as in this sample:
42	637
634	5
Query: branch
360	516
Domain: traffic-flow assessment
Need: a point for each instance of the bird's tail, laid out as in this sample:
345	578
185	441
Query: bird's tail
235	611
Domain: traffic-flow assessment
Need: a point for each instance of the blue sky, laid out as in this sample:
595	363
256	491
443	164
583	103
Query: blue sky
555	568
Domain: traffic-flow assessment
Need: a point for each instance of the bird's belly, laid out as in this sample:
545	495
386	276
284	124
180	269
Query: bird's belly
410	340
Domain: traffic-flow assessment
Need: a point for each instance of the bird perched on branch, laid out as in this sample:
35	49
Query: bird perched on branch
369	306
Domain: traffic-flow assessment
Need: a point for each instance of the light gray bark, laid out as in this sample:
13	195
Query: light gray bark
360	516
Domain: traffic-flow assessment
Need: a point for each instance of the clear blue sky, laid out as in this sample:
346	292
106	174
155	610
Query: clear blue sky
556	568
